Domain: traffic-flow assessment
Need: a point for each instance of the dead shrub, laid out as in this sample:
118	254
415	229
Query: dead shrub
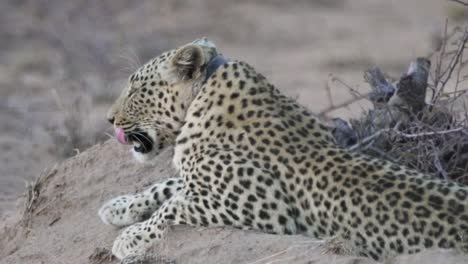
422	121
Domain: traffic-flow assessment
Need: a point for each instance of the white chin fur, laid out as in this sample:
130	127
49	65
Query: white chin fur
143	157
147	157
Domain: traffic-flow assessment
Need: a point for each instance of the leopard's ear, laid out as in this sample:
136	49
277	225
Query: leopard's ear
188	62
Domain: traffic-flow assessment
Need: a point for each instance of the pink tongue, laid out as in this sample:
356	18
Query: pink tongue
120	135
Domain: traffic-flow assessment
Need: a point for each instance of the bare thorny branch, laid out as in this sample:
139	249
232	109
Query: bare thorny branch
460	2
444	76
356	96
433	139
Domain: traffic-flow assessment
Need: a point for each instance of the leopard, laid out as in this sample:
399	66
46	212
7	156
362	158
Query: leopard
248	156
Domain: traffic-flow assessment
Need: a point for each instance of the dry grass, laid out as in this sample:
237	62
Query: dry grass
147	259
284	256
101	256
33	197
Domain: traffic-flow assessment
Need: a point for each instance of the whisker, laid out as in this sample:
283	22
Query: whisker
153	125
139	141
143	136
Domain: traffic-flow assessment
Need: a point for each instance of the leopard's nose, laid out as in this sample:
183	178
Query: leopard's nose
111	120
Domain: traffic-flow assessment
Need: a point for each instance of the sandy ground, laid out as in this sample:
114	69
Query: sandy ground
62	63
63	226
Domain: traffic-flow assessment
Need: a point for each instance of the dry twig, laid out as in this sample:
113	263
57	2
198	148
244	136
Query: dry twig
429	136
460	2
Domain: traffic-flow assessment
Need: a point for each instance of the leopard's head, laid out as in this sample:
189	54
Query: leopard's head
152	107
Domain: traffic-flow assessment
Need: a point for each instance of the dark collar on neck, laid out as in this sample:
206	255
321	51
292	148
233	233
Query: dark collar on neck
213	65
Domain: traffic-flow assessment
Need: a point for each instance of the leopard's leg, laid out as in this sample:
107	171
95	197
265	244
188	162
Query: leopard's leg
129	209
180	209
209	210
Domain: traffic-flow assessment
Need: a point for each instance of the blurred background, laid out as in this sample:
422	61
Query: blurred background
62	63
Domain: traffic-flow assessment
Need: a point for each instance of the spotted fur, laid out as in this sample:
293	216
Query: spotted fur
250	157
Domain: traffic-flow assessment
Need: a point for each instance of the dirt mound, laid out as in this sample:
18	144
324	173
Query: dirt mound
59	222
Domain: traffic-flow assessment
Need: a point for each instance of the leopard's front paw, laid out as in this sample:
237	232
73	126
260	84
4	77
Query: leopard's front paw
117	211
133	240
